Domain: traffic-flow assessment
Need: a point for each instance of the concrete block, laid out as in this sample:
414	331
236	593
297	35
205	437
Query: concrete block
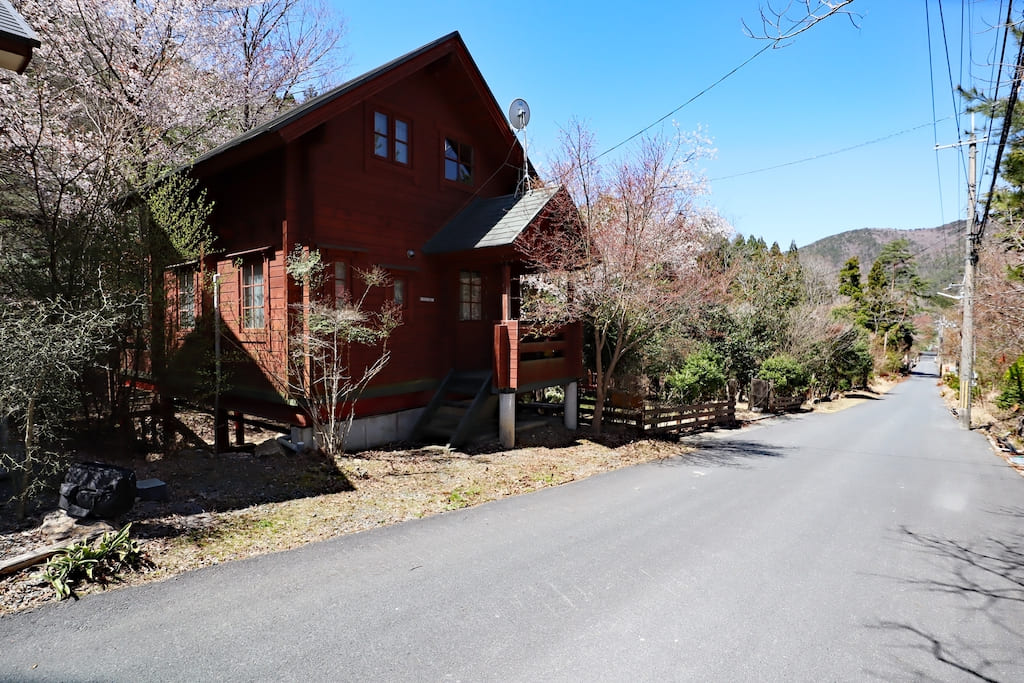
151	489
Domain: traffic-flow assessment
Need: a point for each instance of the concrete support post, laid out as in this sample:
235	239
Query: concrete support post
239	429
303	435
507	419
572	405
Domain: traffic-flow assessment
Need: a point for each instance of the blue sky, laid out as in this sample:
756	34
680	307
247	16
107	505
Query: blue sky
622	66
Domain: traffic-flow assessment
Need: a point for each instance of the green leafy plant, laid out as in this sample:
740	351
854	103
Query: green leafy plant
1012	386
701	376
98	563
547	479
952	381
461	497
788	376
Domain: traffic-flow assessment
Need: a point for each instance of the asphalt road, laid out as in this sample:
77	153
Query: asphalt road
878	543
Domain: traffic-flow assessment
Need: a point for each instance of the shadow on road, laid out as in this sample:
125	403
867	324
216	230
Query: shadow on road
863	394
957	655
992	569
725	453
985	579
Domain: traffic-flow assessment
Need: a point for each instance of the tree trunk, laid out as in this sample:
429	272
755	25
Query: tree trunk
599	393
601	387
26	473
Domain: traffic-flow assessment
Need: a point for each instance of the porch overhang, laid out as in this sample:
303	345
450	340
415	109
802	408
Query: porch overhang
16	39
491	222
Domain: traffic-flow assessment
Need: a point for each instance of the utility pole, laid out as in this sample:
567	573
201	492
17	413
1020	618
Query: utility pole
970	261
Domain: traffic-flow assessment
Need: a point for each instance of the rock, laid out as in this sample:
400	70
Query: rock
269	448
58	526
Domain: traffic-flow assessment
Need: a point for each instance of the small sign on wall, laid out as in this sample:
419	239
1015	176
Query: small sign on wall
427	299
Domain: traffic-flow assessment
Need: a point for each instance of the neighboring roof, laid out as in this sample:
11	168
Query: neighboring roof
492	222
15	36
315	103
13	26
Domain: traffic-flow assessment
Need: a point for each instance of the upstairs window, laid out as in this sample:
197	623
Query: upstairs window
185	279
253	308
390	138
458	162
471	290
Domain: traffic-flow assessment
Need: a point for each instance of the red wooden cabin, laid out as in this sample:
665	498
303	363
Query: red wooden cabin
412	167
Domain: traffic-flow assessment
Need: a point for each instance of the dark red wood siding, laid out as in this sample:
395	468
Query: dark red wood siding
326	189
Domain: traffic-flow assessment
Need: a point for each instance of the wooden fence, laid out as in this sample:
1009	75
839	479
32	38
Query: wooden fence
652	418
784	404
764	399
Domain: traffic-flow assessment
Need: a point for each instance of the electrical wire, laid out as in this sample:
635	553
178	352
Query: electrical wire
935	128
647	128
832	153
1003	137
996	76
949	71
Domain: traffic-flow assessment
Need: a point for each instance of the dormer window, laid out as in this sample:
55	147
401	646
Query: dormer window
391	138
458	161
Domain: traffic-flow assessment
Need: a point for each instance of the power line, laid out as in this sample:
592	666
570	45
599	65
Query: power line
949	71
935	129
647	128
995	76
832	153
1018	72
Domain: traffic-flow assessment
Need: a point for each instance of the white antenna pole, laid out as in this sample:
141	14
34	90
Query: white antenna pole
526	161
519	117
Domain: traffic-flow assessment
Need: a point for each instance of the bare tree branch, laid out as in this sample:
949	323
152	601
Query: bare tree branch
780	26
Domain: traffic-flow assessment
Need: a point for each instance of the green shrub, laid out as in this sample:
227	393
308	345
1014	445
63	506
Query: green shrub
891	364
702	376
1012	386
788	376
952	380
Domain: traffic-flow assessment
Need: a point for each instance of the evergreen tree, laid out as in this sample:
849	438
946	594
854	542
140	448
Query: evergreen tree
849	279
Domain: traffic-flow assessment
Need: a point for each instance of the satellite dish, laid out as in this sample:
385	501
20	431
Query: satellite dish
519	113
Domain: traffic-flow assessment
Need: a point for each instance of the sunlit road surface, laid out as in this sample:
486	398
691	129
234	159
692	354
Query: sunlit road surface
878	543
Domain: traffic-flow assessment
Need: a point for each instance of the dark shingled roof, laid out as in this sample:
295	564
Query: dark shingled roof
492	222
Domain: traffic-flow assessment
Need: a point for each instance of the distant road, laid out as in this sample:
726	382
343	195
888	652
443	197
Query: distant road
878	543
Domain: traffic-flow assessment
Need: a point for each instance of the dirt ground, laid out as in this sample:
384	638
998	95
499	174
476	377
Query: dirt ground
237	505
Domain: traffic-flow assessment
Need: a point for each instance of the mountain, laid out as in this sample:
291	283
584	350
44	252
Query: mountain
939	252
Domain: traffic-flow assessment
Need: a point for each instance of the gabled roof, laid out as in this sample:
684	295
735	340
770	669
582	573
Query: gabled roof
309	109
15	36
494	222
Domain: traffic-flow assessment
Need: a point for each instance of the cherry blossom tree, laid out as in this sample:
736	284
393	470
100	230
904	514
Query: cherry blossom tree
287	48
625	259
120	93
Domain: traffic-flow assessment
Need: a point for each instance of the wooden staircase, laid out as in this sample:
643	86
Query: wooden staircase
462	407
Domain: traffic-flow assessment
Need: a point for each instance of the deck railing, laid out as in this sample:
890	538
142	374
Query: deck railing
528	357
